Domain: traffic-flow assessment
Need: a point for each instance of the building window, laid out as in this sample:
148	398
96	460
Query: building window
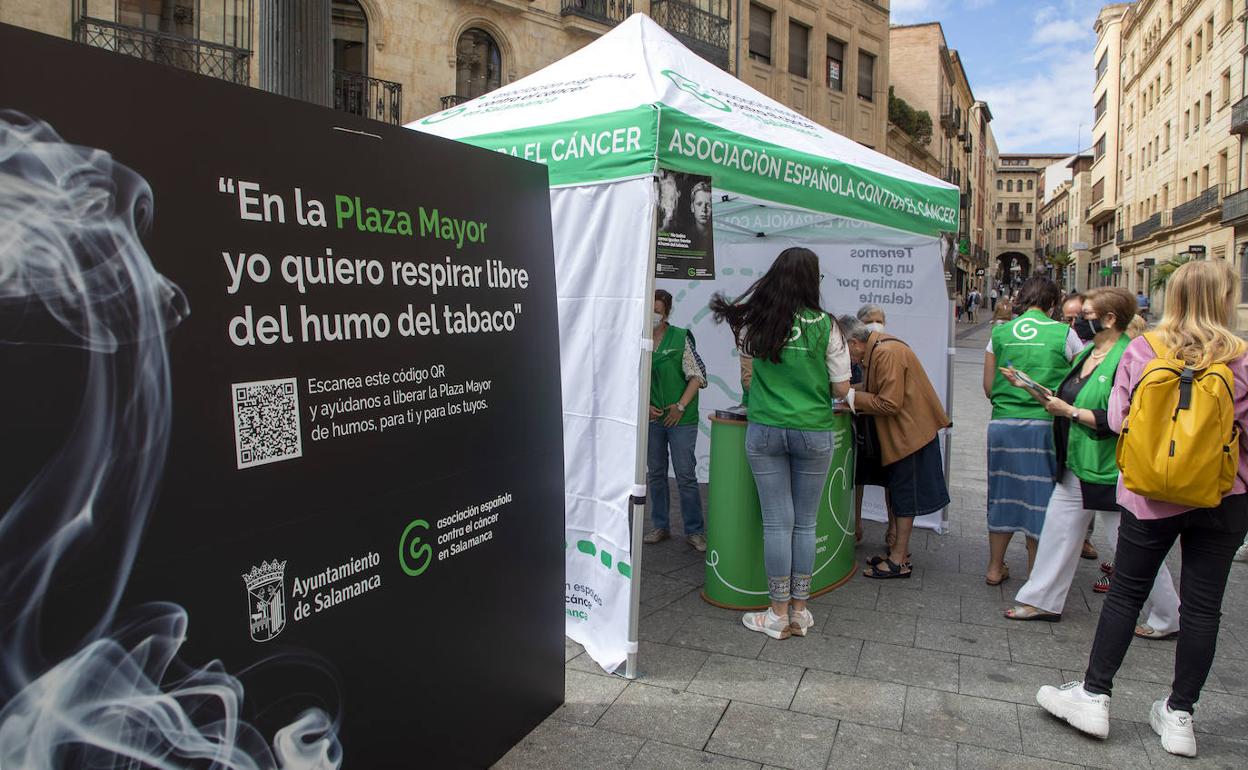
478	64
1129	159
1200	44
1187	55
1100	106
1000	185
1031	184
1027	237
1208	106
999	238
1169	72
799	49
1196	117
1009	185
350	39
998	202
1101	65
1187	121
866	76
1098	150
760	34
1226	88
836	64
1011	235
1167	147
1029	209
1209	33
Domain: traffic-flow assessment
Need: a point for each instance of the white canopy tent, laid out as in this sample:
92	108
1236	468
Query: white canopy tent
604	120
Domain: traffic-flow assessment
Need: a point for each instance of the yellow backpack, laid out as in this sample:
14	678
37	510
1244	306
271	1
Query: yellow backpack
1180	443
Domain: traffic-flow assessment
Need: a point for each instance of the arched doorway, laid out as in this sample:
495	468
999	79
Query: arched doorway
1013	267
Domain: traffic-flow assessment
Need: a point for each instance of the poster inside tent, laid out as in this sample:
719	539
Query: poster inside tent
279	488
685	239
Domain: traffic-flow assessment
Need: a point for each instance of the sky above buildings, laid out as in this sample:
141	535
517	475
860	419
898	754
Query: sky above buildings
1030	60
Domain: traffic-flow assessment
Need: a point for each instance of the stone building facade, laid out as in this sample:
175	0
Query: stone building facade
929	76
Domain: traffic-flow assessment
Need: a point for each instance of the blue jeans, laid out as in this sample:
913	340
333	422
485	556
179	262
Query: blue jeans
681	438
790	467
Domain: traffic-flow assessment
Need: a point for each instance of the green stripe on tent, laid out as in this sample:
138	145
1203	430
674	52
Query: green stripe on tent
741	164
627	143
614	145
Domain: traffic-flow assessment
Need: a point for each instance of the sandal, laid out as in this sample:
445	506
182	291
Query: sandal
1027	612
1145	631
1107	568
1005	575
887	570
874	560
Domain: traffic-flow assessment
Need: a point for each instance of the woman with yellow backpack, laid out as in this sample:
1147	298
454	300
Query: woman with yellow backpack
1180	406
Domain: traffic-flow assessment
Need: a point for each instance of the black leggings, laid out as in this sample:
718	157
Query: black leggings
1208	538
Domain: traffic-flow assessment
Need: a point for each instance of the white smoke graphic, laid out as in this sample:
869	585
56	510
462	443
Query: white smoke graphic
70	219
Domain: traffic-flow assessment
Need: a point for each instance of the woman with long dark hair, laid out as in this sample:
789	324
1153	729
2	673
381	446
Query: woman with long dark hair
799	362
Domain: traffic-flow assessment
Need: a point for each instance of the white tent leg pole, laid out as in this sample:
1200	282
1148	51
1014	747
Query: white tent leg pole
637	508
953	339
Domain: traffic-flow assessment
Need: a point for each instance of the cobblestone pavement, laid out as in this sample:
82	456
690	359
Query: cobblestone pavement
918	673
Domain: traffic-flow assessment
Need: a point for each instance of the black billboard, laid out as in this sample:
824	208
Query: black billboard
282	449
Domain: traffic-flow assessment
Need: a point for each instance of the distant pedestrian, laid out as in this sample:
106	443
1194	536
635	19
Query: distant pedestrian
959	304
1141	300
1021	460
993	296
1196	329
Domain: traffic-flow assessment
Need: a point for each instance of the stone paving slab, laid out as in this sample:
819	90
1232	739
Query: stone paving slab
923	673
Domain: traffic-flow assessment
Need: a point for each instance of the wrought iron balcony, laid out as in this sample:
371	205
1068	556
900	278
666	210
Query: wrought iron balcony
1013	215
1147	227
1205	202
703	28
608	12
1120	239
211	59
1239	117
368	97
454	100
1235	208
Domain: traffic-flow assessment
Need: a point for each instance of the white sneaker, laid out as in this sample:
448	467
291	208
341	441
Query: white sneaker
767	622
800	622
1174	727
1081	709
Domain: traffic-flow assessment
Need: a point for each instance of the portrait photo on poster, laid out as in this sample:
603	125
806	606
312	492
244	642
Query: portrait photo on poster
685	246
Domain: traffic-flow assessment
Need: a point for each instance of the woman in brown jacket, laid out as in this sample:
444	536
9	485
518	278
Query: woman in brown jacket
908	417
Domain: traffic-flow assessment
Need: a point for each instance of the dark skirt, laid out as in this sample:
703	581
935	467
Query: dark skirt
916	483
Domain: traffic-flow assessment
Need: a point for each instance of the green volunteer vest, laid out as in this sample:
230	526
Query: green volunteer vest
1036	345
796	393
1088	456
667	374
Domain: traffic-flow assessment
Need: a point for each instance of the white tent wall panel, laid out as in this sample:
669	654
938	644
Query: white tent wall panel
602	236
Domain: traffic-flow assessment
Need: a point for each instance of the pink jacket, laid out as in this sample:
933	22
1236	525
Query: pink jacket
1136	356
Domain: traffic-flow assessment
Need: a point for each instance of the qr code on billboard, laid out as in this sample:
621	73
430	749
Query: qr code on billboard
266	421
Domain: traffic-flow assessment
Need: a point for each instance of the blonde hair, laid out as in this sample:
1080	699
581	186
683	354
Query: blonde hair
1200	306
1137	326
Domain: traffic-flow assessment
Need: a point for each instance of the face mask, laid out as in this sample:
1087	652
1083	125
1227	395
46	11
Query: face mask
875	326
656	319
1086	329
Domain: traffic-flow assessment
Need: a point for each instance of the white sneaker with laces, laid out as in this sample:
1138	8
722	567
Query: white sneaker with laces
767	622
1084	711
1174	727
800	622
